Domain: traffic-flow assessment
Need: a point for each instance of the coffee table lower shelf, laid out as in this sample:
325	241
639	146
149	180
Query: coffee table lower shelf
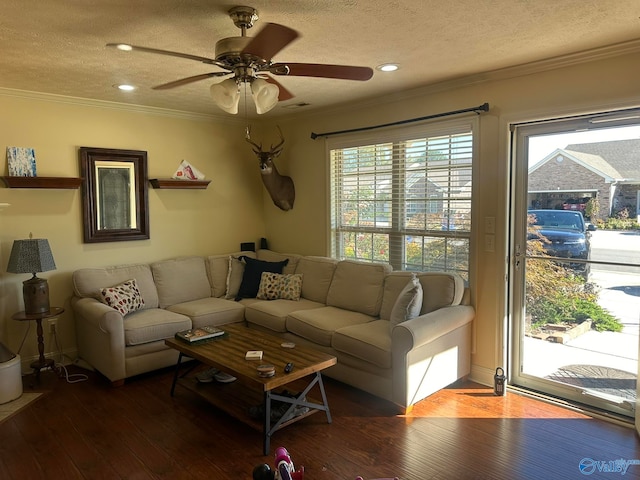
236	399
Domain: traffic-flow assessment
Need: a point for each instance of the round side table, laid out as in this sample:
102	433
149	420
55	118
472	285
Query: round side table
42	362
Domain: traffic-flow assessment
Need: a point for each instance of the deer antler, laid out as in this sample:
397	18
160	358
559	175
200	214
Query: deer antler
275	151
257	149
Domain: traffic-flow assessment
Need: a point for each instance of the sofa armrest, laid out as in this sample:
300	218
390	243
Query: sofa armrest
428	327
430	352
98	315
100	337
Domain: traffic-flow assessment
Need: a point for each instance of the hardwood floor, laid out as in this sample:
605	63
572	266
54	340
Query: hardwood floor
90	430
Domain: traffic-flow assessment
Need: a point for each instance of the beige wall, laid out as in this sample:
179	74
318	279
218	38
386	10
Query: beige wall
567	90
182	222
185	222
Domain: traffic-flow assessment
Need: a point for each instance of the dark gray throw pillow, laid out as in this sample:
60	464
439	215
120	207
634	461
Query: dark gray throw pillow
252	274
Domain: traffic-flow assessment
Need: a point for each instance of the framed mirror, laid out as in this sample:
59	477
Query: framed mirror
115	194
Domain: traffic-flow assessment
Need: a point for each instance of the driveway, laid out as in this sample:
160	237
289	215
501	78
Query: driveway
619	294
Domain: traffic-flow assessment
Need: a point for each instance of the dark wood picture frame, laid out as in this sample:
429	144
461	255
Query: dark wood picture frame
115	194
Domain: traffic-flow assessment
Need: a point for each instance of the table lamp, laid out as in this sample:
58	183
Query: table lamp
32	255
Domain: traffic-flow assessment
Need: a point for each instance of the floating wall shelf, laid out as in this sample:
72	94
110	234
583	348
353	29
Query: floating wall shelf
42	182
173	183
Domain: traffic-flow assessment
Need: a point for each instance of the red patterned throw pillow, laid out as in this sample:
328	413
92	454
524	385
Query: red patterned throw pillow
125	298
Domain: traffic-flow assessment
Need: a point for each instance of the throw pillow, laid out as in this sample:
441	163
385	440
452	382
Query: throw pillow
253	273
291	286
408	303
125	297
234	277
269	288
274	286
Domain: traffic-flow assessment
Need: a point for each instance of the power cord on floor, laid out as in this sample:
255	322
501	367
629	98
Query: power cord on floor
25	337
59	366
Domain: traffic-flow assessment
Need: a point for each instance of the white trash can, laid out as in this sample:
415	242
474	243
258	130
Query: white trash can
10	375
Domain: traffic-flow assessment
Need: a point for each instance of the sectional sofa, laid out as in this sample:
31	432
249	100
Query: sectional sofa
398	335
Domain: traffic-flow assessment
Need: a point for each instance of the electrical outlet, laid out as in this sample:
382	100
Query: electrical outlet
489	243
53	325
490	225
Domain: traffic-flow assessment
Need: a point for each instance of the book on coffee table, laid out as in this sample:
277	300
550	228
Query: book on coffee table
198	334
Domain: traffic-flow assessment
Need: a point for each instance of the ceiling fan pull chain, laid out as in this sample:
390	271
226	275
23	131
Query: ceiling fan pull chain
246	112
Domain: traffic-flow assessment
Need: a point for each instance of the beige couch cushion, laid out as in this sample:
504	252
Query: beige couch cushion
318	324
180	280
317	273
210	311
370	342
440	289
358	286
87	282
270	256
151	325
272	314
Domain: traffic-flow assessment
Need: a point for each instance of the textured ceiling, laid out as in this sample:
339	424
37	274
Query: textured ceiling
58	47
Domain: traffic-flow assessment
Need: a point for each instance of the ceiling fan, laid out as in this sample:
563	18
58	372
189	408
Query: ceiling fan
249	60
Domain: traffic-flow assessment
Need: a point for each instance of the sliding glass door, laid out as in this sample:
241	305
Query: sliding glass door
575	259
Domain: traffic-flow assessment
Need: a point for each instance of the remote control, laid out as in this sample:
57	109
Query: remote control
288	367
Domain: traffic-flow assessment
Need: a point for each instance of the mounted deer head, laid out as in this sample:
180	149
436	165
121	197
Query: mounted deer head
280	187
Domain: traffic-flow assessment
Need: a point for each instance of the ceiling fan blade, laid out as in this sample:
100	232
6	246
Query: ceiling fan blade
127	47
283	94
345	72
184	81
270	40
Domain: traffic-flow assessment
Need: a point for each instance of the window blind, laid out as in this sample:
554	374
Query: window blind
404	196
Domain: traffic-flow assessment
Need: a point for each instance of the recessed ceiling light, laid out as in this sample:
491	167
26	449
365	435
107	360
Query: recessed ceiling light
388	67
124	47
125	88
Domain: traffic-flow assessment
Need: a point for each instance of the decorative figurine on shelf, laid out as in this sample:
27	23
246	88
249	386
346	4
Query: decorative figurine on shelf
186	171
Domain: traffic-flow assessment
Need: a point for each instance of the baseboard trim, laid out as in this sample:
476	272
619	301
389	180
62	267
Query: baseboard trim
482	375
64	357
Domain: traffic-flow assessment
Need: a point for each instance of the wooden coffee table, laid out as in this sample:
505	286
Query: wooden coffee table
227	354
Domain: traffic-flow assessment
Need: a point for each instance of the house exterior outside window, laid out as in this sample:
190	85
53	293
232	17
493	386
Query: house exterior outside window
404	196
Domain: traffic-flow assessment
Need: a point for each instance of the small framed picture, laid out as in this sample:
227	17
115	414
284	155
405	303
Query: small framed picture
21	161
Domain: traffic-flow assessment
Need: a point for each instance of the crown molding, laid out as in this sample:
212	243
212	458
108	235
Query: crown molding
554	63
127	107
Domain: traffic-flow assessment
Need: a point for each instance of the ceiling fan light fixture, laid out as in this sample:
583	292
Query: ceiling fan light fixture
265	95
226	95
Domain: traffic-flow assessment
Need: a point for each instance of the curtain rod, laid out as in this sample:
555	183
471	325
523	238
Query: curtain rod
481	108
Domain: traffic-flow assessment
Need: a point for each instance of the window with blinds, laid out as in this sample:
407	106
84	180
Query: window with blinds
404	197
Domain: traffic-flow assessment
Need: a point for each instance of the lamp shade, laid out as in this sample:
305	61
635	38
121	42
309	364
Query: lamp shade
30	256
226	95
265	95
